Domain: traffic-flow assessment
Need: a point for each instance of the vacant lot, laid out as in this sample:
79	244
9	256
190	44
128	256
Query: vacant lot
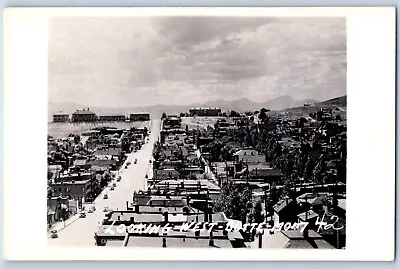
60	130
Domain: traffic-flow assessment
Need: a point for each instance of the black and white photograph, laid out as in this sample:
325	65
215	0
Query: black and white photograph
197	132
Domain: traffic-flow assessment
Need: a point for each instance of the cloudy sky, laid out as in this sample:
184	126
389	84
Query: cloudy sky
145	61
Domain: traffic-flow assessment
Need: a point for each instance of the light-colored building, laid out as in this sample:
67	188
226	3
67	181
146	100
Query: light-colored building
61	117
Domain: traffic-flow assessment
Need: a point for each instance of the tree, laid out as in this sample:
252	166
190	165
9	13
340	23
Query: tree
49	174
77	139
234	114
163	116
182	115
263	114
234	201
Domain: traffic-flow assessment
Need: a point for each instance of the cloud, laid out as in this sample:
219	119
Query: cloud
144	61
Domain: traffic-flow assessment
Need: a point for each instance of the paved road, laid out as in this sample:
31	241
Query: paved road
81	232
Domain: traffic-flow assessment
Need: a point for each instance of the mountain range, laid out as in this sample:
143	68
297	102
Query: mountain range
240	105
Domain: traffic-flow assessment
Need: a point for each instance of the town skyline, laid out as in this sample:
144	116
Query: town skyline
129	62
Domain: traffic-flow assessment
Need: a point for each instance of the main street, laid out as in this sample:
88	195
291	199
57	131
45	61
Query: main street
81	232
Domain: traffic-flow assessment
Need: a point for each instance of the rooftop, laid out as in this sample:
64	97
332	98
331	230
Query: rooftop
83	112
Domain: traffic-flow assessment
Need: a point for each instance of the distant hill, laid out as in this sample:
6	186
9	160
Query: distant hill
338	104
240	105
338	101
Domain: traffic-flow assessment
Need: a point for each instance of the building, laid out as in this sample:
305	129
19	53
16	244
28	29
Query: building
291	239
112	118
209	112
61	117
285	210
73	189
249	156
139	117
84	116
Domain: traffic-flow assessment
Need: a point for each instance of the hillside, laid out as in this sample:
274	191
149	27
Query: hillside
339	104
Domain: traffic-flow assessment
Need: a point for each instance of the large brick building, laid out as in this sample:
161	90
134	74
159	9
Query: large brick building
210	112
84	116
139	117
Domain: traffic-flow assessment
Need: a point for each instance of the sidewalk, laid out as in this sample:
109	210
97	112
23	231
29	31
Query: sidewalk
60	225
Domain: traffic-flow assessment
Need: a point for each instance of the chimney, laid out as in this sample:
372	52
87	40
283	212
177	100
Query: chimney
126	205
137	209
305	233
187	200
185	210
164	242
165	214
260	240
211	242
88	109
132	219
119	218
206	214
197	234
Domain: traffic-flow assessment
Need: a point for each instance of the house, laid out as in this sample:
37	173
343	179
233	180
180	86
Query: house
285	210
309	216
267	175
312	200
109	151
103	163
166	174
249	156
192	171
139	117
291	239
61	117
171	164
341	207
84	116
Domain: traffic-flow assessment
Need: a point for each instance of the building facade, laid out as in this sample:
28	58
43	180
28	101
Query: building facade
209	112
139	117
84	115
112	118
60	117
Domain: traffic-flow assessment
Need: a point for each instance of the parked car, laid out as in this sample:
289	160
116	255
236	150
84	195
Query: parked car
54	234
119	179
135	161
114	185
112	188
128	163
91	209
83	215
105	209
105	196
